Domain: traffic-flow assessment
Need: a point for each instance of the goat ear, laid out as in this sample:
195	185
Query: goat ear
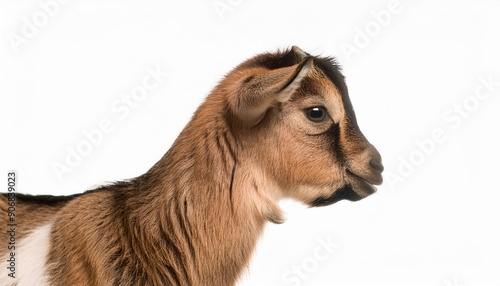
299	53
264	88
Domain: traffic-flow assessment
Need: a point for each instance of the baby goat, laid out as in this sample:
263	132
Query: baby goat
280	125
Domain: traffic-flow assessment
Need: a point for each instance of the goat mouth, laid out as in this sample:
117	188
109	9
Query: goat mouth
345	193
356	189
362	186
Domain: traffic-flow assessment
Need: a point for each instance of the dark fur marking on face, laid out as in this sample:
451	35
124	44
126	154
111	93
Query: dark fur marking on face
344	193
334	135
332	70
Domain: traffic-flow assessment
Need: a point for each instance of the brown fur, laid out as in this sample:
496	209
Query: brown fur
195	216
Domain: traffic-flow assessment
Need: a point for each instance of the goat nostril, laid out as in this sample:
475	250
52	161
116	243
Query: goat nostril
376	165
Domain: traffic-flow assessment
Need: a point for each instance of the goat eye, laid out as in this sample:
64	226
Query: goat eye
316	114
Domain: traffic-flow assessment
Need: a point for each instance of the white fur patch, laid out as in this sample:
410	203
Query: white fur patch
31	259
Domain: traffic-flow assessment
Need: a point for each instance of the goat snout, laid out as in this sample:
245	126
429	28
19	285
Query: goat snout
375	166
367	165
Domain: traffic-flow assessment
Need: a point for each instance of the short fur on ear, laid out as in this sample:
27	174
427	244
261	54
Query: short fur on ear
299	53
263	88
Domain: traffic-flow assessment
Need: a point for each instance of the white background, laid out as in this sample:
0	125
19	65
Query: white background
435	221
